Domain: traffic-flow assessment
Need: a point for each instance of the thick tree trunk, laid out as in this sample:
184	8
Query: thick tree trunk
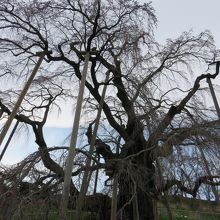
143	201
145	206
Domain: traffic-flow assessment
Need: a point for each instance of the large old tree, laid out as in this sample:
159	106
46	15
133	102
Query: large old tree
153	114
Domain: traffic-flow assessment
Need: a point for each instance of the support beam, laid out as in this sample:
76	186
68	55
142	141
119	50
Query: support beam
166	201
206	166
114	198
73	141
86	176
9	140
96	178
22	95
115	187
1	113
214	97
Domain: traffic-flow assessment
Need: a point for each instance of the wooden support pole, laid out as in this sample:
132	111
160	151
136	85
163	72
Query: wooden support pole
73	141
135	206
156	216
214	97
21	97
1	113
205	162
214	189
86	176
9	140
96	178
115	187
114	198
166	202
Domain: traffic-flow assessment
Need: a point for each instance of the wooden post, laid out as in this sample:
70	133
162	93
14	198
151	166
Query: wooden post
169	211
156	216
114	198
9	140
1	112
21	97
86	176
72	148
205	162
96	178
214	97
135	207
214	189
115	187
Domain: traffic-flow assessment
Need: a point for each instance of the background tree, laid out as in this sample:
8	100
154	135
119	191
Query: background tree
152	106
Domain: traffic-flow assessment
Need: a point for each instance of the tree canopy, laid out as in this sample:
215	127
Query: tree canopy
156	134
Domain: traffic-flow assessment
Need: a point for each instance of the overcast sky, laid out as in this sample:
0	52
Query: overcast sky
174	17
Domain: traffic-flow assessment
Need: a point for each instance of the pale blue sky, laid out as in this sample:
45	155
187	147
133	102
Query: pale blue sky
24	144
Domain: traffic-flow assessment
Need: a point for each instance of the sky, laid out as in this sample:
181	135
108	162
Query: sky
174	17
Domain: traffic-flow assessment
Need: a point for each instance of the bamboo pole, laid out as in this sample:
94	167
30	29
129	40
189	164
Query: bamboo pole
73	141
86	176
9	140
21	97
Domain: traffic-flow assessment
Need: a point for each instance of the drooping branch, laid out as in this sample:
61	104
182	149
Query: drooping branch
174	110
209	180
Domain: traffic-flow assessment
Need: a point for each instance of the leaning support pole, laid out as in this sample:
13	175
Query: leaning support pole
217	63
72	148
9	140
115	187
21	97
114	198
169	211
96	178
214	97
214	189
1	113
205	162
86	176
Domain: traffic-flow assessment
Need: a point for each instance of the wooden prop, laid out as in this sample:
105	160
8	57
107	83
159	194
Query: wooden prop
72	148
214	97
86	176
114	198
9	140
22	95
